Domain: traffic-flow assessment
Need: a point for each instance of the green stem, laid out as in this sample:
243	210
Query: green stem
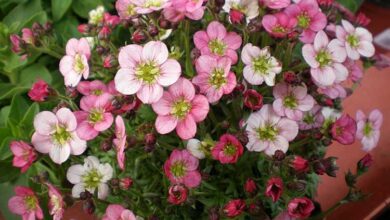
188	64
48	52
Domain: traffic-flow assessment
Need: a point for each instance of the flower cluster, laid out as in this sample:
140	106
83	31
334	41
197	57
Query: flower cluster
204	105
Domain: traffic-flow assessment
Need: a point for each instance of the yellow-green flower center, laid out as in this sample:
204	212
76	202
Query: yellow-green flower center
178	169
31	202
267	133
323	58
279	29
92	179
96	115
217	47
181	108
153	3
229	150
217	78
367	129
303	20
290	102
61	136
97	92
130	10
261	65
353	41
78	64
308	119
147	72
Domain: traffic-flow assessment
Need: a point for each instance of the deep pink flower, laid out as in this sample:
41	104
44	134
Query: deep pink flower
181	168
274	188
93	117
250	186
362	19
253	100
56	203
279	24
24	155
180	108
214	77
115	212
299	164
16	42
55	134
292	101
234	208
325	59
25	203
120	141
344	130
179	9
228	149
177	194
146	70
28	36
309	18
218	42
39	91
74	64
300	207
110	20
312	119
276	4
368	128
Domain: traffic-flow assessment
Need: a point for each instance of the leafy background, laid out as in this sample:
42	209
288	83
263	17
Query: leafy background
16	75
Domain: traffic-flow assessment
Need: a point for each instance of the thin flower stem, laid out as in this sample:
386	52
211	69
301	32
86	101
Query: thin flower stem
188	64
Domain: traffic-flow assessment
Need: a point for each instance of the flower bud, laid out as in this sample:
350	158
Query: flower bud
153	30
104	33
39	91
362	19
350	179
279	155
108	61
253	100
125	183
85	195
150	139
71	92
254	25
236	16
106	144
138	36
28	36
17	43
48	27
195	53
300	164
83	28
177	194
364	163
250	186
234	208
213	213
297	186
164	23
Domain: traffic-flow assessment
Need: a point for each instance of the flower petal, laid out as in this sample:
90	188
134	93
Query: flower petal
200	108
170	72
164	105
77	146
129	56
309	54
67	118
42	143
126	82
183	88
155	51
75	173
149	94
45	122
321	41
288	128
59	154
186	128
165	124
216	30
201	39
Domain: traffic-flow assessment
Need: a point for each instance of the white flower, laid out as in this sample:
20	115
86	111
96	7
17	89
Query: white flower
248	7
330	114
91	42
194	146
96	15
90	176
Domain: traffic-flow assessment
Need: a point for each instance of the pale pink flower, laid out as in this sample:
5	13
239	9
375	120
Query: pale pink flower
95	88
248	8
24	155
368	128
269	132
357	41
214	77
145	70
179	9
120	141
74	64
94	117
25	203
55	134
325	59
181	168
56	202
275	4
279	24
125	8
260	66
149	6
90	176
292	101
115	212
180	108
16	42
354	70
312	119
333	91
218	42
309	18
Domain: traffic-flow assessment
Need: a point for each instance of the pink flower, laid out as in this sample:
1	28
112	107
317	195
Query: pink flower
56	135
253	100
179	9
149	6
125	8
177	194
274	188
92	88
120	141
56	203
145	70
279	24
333	91
325	59
234	208
357	41
24	155
180	108
368	128
300	164
227	150
16	42
39	91
181	168
269	132
260	66
312	119
25	203
276	4
218	42
214	77
300	207
292	101
115	212
94	116
309	18
343	130
74	64
28	36
354	70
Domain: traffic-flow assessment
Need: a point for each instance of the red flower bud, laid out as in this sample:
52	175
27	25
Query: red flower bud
252	99
138	36
83	28
274	188
234	208
150	139
28	36
177	194
39	91
111	20
125	183
16	43
250	186
365	162
104	33
108	61
236	16
299	164
362	19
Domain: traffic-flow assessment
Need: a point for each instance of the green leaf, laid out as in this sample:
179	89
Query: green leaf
7	171
19	107
23	13
8	90
34	72
59	8
67	28
5	150
4	112
82	8
352	5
